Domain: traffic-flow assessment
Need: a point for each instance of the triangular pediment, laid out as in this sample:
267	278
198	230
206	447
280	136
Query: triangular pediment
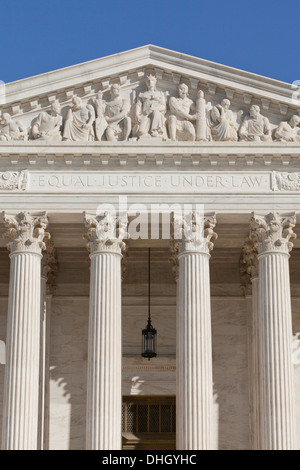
26	98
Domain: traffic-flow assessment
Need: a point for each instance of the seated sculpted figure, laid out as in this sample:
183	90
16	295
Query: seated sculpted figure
112	116
221	122
288	131
255	127
150	111
48	124
179	121
79	122
12	129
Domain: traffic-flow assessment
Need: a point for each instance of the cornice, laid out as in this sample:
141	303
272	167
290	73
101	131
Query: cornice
151	56
104	154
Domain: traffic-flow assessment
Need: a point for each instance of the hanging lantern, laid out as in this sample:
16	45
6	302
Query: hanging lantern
149	333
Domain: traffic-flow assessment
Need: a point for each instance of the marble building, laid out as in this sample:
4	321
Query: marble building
97	162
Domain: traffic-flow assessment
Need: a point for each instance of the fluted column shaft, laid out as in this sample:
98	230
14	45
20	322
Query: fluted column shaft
21	393
275	326
254	379
104	387
194	390
276	389
21	387
42	379
105	354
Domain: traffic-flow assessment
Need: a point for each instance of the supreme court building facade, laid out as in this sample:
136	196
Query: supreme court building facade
199	162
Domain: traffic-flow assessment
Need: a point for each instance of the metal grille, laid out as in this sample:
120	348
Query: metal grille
149	414
142	418
131	418
166	422
173	418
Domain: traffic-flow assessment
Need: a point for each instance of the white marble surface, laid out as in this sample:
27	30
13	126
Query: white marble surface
69	336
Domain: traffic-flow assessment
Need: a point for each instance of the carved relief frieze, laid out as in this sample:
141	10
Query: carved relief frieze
10	180
153	108
285	181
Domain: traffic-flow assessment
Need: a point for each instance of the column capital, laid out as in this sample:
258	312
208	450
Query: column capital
196	231
272	232
26	231
106	232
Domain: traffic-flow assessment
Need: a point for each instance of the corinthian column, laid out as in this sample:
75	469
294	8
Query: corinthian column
194	391
104	395
21	387
272	235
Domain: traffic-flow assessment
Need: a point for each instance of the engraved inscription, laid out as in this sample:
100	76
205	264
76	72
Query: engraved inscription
115	182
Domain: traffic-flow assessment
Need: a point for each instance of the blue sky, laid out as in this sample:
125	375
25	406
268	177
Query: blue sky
257	36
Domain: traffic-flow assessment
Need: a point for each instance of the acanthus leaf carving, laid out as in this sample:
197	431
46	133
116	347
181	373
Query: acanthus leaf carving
273	233
106	232
26	231
195	231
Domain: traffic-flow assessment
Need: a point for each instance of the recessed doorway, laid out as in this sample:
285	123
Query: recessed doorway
149	423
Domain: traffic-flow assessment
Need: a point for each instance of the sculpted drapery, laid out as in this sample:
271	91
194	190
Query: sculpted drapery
113	114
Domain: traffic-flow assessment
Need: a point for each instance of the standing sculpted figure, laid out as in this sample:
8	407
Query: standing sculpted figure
255	126
48	124
288	131
150	111
112	116
79	122
221	122
179	122
12	129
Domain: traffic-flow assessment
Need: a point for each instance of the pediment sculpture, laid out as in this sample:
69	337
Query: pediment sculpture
112	119
48	124
113	114
12	129
150	110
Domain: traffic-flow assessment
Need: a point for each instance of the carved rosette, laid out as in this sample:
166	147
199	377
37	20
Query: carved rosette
197	231
106	233
272	233
27	232
49	265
